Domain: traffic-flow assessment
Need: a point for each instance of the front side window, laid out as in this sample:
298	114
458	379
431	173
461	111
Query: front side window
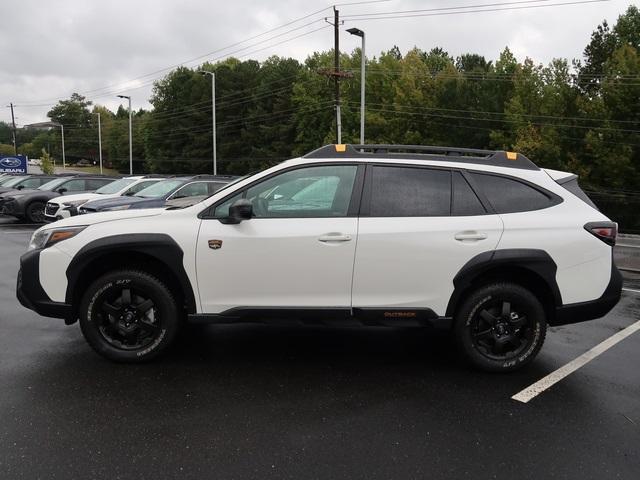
53	184
191	190
319	191
133	189
31	183
410	192
160	189
115	187
509	195
76	185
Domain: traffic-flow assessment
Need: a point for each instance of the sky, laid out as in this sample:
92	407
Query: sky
49	50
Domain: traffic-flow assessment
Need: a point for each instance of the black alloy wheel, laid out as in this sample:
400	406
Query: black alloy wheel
129	316
500	327
35	212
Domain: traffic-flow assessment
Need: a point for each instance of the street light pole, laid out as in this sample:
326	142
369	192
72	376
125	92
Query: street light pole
213	116
130	136
99	141
64	162
359	33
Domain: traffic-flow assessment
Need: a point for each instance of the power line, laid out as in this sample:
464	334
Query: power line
500	9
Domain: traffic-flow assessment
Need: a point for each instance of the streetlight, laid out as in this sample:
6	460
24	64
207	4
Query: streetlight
213	115
130	136
53	124
99	140
359	33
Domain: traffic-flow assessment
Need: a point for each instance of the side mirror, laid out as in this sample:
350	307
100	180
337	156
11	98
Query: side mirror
62	190
129	194
19	187
241	209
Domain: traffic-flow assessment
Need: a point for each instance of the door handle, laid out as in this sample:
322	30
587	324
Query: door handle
470	236
334	237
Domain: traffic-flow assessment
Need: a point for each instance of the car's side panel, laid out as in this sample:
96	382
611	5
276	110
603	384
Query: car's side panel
411	261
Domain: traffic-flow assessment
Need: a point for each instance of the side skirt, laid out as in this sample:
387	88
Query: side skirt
332	317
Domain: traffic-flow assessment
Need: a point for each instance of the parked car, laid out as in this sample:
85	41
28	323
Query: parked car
156	195
481	243
22	182
30	204
67	205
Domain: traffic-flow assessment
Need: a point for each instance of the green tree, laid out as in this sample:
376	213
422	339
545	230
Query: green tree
47	164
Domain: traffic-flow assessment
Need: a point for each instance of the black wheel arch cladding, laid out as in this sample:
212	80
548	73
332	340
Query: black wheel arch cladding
158	246
534	261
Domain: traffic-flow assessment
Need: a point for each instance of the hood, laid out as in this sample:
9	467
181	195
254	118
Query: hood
24	191
102	217
102	203
76	197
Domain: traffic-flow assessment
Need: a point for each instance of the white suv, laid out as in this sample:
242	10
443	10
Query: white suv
67	206
483	243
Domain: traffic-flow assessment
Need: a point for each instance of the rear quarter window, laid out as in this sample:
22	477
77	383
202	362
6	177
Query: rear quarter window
509	195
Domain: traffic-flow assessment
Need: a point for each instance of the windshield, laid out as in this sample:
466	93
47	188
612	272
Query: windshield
159	189
115	187
53	183
13	181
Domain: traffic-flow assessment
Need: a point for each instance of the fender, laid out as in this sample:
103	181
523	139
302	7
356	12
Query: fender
534	261
160	246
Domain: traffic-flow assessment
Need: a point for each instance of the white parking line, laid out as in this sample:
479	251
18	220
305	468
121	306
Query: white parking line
554	377
630	290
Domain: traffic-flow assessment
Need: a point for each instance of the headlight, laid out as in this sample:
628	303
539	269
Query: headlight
49	236
120	207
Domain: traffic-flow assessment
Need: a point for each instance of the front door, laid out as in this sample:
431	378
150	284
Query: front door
296	252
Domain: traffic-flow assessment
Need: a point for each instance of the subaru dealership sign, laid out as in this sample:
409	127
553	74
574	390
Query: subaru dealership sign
13	164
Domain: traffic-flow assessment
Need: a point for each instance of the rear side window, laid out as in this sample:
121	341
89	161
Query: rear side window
214	187
410	192
139	186
465	202
77	185
96	183
509	195
573	186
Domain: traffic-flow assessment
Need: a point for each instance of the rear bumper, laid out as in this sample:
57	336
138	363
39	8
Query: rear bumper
31	294
583	311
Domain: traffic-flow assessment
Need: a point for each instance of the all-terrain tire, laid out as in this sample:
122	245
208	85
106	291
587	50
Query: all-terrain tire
129	316
500	327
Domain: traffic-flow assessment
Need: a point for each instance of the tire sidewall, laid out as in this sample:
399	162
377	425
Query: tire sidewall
28	212
154	289
527	303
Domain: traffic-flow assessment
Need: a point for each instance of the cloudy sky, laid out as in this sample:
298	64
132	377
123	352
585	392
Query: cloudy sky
100	49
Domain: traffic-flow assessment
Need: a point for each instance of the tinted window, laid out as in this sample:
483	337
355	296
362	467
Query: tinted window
139	186
410	192
191	190
95	183
76	185
32	183
509	195
215	186
114	187
465	201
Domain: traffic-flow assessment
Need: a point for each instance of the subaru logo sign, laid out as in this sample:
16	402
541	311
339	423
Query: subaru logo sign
10	162
13	164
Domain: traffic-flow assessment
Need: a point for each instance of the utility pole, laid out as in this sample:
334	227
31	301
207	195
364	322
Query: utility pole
13	121
99	142
336	74
336	34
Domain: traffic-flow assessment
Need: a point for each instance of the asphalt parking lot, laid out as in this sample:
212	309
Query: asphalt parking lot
244	402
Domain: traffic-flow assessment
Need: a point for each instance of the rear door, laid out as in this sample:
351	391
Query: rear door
418	227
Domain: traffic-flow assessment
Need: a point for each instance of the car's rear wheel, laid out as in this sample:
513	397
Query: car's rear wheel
35	212
500	327
129	316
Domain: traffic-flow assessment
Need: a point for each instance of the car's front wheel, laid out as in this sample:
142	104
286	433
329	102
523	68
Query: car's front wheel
500	327
129	316
35	212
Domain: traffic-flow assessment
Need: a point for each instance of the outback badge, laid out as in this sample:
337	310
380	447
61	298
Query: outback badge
215	244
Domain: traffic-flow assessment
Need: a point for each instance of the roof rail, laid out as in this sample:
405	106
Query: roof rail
498	158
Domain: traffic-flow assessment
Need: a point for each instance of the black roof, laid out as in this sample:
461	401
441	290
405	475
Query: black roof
498	158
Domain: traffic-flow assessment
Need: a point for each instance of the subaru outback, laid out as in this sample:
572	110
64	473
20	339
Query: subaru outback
481	243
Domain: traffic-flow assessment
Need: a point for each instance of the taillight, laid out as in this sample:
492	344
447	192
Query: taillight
605	231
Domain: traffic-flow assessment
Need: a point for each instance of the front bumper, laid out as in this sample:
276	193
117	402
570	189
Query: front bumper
31	294
583	311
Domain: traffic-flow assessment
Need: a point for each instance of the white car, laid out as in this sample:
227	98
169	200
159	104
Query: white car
67	206
483	243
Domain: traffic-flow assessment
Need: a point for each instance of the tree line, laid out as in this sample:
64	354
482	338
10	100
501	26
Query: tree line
582	116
